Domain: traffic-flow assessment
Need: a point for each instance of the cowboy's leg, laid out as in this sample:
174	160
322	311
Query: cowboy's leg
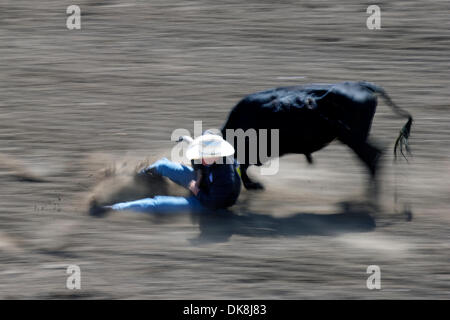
161	204
178	173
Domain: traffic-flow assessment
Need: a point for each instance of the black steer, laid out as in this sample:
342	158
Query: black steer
310	117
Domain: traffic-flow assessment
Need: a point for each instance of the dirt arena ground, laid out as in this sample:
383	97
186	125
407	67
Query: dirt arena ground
76	102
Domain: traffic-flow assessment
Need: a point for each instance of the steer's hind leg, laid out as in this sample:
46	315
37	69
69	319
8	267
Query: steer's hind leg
248	183
370	156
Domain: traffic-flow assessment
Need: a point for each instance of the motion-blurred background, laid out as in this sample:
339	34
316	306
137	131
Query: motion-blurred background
78	103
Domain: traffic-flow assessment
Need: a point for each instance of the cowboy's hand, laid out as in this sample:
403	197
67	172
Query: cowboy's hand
193	187
143	171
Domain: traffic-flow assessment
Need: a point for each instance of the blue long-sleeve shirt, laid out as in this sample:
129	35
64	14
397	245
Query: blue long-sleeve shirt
220	184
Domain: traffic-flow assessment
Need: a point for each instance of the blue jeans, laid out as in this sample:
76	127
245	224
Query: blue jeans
178	173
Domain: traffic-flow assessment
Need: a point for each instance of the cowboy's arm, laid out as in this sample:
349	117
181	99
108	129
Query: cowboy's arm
216	196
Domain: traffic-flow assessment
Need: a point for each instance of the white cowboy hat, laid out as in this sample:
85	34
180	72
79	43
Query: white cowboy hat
209	146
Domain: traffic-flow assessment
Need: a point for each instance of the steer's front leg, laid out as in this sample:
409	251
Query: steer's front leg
248	183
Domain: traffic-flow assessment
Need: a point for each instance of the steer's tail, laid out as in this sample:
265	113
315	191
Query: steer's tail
401	142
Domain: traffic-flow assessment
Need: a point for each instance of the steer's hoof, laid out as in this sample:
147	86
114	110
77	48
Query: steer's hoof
254	186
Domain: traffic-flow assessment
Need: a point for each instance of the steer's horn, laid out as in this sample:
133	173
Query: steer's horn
185	138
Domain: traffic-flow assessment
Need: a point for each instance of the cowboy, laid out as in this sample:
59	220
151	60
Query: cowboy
213	181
